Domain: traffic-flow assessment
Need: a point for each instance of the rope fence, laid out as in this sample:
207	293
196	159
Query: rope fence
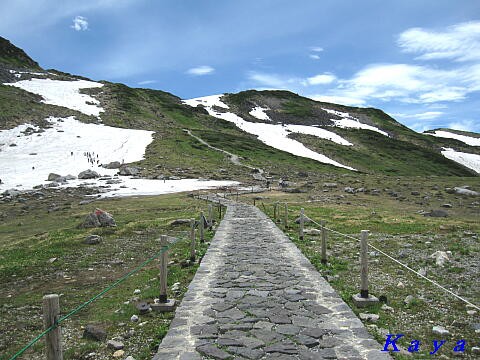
52	320
303	217
399	263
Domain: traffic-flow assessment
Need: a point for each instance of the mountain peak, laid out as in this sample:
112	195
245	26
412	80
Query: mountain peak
14	57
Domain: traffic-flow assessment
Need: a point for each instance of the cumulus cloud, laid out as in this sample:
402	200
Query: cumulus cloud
201	70
464	125
460	42
146	82
80	23
321	79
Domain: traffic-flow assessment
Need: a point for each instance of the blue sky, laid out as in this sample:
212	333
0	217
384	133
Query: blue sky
418	60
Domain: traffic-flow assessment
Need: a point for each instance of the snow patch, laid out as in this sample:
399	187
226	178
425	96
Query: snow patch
63	93
350	122
471	161
259	113
274	135
469	140
207	101
62	149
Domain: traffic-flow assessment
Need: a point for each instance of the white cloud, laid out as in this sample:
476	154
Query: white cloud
201	70
274	81
464	125
321	79
343	100
460	42
146	82
80	23
314	56
316	49
428	115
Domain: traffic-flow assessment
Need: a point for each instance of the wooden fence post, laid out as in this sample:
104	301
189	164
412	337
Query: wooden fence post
163	270
300	235
201	227
192	240
364	264
210	216
285	219
364	298
324	242
53	340
164	304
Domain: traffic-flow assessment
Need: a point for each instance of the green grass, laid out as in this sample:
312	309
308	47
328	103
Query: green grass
26	273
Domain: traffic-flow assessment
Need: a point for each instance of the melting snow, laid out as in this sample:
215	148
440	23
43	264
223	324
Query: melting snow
274	135
259	113
351	122
471	161
61	149
207	101
63	93
472	141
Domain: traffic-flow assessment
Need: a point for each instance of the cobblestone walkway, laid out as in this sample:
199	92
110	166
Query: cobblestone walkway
255	296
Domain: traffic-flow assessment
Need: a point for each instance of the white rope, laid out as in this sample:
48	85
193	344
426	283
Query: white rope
401	264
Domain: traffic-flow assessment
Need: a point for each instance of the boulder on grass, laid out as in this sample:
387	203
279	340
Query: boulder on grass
98	218
94	332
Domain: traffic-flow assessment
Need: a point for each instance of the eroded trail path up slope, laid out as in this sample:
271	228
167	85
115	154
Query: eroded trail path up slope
256	296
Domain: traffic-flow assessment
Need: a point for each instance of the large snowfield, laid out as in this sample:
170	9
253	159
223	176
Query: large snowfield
63	93
62	150
69	147
274	135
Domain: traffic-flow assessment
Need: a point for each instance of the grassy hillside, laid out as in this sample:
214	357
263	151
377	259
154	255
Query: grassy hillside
14	57
399	154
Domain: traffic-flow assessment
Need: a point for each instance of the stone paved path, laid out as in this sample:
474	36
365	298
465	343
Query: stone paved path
255	296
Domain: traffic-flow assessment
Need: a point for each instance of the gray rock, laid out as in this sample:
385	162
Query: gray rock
11	192
439	330
115	345
94	332
98	218
53	177
330	185
436	213
349	190
180	222
92	240
408	299
464	191
369	317
88	174
112	165
129	170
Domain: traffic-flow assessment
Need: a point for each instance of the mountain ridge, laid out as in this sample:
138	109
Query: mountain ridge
380	144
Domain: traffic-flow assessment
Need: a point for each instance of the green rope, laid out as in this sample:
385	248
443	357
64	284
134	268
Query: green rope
74	311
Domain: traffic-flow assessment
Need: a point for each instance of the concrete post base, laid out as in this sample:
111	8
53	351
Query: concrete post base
362	302
164	307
